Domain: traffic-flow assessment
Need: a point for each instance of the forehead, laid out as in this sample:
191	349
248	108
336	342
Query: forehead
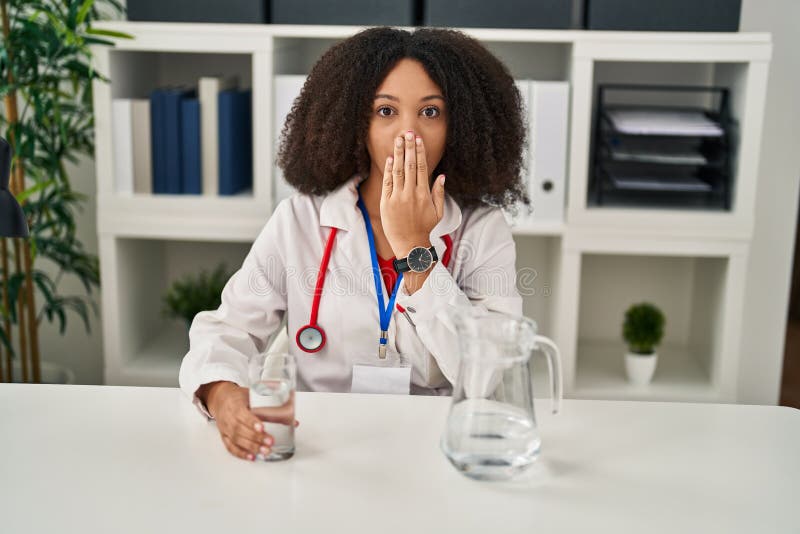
408	80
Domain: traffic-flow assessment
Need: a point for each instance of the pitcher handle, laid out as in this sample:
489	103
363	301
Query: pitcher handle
554	366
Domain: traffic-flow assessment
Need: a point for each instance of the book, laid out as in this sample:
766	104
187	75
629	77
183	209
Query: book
209	88
172	137
157	147
142	159
122	143
235	141
191	166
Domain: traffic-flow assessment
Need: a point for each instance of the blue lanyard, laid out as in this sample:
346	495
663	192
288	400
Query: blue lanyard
385	313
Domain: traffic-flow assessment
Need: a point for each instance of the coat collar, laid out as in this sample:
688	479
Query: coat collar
340	209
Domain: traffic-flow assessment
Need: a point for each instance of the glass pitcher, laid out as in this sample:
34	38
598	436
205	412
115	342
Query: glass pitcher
491	429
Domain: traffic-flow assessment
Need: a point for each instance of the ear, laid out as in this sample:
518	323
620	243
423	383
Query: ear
437	195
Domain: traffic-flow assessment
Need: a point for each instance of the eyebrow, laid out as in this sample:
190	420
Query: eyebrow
390	97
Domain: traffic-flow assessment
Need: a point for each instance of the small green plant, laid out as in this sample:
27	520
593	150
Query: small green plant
191	294
643	328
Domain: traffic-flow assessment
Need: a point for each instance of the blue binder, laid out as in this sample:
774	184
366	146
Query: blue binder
235	141
191	166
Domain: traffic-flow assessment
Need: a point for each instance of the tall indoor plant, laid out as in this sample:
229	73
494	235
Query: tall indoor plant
46	79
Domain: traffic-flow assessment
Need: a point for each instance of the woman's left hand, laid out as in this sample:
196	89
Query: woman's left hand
409	208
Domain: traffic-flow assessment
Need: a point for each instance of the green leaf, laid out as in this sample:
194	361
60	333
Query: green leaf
83	11
23	196
109	33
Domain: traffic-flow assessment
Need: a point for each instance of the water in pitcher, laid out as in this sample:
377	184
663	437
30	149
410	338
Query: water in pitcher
488	440
273	402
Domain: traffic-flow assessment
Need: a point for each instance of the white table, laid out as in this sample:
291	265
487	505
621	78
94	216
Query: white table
123	459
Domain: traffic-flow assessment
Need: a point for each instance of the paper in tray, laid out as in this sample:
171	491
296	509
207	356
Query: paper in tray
659	183
663	122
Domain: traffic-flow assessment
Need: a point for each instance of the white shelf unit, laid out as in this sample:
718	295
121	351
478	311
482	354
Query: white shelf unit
589	266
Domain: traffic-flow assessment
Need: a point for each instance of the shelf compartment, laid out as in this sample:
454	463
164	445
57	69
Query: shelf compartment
691	291
744	76
649	183
142	346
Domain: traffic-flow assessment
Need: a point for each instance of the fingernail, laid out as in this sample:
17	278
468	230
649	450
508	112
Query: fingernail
443	179
251	457
409	135
398	142
268	441
390	160
419	140
264	450
257	426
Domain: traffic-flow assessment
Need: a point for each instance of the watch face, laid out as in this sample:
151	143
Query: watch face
420	259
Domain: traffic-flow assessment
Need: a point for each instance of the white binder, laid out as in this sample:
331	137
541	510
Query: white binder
286	89
549	123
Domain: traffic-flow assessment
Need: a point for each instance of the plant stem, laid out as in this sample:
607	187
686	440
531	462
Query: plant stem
7	310
17	186
23	340
33	328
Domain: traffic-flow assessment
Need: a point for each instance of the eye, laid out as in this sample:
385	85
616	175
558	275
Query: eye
434	108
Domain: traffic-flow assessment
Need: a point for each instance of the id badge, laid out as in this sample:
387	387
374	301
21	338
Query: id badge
372	374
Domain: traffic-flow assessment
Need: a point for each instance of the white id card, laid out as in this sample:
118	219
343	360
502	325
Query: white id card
372	374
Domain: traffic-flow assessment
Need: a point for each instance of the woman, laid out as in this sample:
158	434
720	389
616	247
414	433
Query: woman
380	121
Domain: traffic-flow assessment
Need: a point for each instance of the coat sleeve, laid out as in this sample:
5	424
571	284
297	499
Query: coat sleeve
253	304
488	279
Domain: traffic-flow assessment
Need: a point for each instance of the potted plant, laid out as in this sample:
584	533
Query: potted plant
642	330
47	76
191	294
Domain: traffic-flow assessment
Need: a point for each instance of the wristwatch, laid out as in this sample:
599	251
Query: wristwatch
419	260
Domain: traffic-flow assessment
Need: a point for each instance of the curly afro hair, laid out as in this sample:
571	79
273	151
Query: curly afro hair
485	132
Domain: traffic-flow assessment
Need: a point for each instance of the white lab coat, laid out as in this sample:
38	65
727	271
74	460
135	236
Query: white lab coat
279	276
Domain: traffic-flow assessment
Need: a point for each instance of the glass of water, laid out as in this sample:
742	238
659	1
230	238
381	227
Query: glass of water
491	431
272	383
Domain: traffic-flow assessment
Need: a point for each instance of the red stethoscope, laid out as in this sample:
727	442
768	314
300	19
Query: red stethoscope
311	337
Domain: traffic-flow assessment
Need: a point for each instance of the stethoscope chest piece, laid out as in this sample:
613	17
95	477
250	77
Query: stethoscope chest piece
310	338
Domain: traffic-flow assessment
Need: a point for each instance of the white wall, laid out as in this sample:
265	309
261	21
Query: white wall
771	254
769	270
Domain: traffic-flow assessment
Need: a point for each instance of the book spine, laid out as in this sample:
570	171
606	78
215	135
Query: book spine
172	141
157	140
122	142
190	147
142	155
208	91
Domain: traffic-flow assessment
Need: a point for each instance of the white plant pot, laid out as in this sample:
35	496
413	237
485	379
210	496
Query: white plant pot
52	373
640	367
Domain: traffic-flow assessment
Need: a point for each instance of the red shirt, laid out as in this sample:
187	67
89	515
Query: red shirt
388	272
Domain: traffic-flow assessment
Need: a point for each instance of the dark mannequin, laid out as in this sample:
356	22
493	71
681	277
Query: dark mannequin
12	218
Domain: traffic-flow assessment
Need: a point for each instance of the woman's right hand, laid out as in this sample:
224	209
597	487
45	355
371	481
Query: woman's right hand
241	430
